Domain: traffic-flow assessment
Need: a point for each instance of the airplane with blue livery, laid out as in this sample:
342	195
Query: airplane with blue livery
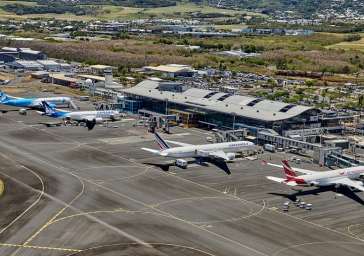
32	103
90	118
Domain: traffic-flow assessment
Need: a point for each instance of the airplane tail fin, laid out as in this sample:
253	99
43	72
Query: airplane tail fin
162	143
289	172
3	96
48	109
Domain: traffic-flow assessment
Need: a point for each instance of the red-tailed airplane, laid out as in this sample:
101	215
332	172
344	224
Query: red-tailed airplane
347	177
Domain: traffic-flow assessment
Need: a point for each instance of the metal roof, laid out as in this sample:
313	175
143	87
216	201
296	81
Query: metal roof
171	68
28	64
29	51
265	110
92	77
101	67
63	78
10	49
48	62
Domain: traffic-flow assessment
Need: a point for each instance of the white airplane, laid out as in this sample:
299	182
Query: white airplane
89	117
214	153
347	177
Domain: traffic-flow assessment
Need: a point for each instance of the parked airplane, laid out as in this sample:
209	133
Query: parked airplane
216	153
347	177
89	117
32	103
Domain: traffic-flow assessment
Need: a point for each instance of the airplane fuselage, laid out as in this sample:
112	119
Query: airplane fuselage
87	115
327	178
202	150
36	102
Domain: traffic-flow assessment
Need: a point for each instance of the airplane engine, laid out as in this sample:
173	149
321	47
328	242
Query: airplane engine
231	156
115	117
98	120
201	153
313	183
22	111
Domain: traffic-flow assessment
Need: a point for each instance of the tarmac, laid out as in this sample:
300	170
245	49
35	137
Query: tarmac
69	191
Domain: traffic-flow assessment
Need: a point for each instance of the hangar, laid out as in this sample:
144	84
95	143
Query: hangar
206	107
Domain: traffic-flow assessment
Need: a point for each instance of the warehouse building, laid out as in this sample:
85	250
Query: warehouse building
99	69
26	65
196	107
62	79
171	70
50	65
25	53
6	57
29	54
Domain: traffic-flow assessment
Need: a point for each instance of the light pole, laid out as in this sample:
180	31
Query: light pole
234	116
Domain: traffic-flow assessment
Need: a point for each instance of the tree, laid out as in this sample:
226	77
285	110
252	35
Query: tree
361	101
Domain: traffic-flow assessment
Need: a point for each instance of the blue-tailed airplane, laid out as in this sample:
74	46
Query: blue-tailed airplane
88	117
32	103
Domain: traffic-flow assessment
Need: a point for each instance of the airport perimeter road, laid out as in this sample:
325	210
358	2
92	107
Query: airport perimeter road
74	192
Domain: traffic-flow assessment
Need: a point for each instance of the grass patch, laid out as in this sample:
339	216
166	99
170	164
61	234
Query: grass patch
352	46
110	12
189	7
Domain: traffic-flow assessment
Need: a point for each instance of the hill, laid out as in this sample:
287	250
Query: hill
324	9
128	3
303	8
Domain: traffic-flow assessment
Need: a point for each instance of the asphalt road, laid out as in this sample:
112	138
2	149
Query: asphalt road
74	192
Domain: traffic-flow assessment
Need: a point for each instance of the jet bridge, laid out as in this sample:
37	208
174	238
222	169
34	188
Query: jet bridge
266	137
230	135
342	160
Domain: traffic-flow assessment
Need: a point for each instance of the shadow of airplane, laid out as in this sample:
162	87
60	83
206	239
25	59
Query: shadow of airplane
342	190
164	166
4	111
204	162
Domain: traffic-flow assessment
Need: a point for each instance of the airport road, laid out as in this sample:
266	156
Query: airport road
74	192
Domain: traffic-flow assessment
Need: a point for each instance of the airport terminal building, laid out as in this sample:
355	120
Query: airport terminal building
200	107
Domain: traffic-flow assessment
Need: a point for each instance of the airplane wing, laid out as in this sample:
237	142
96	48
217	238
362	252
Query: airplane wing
304	171
154	151
178	143
219	155
351	183
89	118
280	180
222	165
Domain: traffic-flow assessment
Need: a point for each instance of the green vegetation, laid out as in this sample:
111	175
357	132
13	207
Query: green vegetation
108	11
282	52
348	45
308	54
352	37
129	3
305	8
58	8
330	27
2	187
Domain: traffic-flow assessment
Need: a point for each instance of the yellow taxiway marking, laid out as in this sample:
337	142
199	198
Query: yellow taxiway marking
40	247
59	213
2	187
